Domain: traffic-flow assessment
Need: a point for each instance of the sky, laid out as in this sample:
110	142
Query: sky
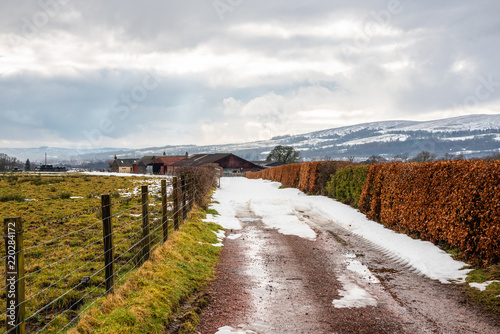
129	74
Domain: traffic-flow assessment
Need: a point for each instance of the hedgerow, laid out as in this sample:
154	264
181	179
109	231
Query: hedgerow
455	203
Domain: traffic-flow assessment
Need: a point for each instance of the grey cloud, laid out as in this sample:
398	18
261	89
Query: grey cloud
429	39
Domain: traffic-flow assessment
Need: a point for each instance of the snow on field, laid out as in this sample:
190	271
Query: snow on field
275	207
124	174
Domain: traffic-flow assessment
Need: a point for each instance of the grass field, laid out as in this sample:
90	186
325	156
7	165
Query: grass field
60	251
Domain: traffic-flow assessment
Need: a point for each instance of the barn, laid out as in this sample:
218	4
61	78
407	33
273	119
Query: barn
230	163
163	165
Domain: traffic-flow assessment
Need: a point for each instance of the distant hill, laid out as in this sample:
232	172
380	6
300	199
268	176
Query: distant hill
471	136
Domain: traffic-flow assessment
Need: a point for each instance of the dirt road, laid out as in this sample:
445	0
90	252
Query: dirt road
269	282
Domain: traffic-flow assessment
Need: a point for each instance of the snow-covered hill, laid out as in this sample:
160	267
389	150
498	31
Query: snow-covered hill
471	136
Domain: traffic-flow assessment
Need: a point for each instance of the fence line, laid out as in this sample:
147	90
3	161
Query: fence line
75	269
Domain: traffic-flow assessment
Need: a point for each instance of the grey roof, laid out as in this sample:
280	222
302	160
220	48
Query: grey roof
200	160
149	159
127	162
268	163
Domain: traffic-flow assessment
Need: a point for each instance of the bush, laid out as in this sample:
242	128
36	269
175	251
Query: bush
204	178
346	185
64	195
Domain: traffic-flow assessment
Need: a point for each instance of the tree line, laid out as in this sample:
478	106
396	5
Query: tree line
9	163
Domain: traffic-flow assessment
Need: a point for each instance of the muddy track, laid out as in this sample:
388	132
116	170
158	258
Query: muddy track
274	283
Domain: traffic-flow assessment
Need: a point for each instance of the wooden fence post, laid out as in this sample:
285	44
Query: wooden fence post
175	183
14	275
191	191
164	208
145	224
108	243
183	192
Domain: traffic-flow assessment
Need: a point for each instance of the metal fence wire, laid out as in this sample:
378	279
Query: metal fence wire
52	278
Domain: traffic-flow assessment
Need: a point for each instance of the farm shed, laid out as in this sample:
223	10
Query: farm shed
163	165
229	162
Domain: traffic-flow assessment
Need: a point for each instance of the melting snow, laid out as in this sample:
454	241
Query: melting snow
361	270
482	286
231	330
221	235
354	296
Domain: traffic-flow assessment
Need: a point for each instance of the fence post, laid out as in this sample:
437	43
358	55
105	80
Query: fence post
183	192
191	191
14	275
175	182
164	213
145	224
108	243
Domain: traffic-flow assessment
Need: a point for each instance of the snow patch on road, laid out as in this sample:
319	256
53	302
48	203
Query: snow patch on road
354	297
268	204
231	330
362	270
280	214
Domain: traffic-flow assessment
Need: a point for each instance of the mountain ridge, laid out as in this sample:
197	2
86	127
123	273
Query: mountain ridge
470	136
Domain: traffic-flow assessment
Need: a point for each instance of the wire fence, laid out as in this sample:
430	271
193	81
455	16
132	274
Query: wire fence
53	275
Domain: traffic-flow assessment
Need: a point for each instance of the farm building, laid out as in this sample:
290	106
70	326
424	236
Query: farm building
124	165
163	165
230	163
145	165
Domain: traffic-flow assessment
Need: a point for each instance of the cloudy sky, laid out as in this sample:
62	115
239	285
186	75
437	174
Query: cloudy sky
123	73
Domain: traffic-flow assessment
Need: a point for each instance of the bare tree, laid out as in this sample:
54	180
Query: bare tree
424	156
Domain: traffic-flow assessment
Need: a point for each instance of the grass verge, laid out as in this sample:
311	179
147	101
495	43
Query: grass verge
489	298
147	302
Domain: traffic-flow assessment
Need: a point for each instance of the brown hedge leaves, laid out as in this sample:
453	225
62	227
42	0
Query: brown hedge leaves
451	202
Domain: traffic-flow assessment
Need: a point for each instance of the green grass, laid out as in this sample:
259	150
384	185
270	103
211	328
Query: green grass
55	269
148	300
212	212
489	298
